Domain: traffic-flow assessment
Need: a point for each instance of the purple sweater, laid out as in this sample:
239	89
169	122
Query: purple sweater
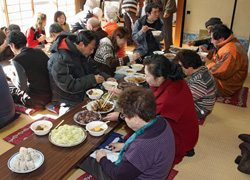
149	156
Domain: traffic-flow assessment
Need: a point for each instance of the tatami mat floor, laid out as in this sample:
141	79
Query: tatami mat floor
215	151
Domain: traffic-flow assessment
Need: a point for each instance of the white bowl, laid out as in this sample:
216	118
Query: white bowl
109	85
156	33
94	124
170	56
137	67
49	39
202	54
34	125
94	93
158	52
130	72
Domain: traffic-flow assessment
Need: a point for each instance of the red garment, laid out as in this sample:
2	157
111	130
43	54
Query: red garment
109	28
175	103
30	38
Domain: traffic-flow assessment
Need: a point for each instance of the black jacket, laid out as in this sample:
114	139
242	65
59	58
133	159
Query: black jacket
71	73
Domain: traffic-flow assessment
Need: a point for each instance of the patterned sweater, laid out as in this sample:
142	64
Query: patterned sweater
203	89
106	58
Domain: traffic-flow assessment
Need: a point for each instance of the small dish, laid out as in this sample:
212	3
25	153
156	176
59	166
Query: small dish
37	163
94	93
156	33
130	72
91	128
170	56
137	67
109	85
85	117
41	127
202	54
158	52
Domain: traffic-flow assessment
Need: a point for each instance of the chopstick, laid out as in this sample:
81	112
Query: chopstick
107	99
152	28
59	124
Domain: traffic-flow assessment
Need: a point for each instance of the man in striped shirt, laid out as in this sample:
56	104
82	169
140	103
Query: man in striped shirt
201	82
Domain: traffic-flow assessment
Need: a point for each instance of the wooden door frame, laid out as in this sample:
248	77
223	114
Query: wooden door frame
180	17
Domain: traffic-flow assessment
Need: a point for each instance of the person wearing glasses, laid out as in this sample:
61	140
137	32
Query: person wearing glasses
148	153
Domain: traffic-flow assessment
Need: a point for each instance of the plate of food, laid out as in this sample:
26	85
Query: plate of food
124	85
136	79
174	50
170	56
98	106
85	117
26	160
67	136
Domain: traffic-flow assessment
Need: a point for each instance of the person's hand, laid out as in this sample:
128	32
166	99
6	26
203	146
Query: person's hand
99	79
42	38
115	92
135	56
112	116
145	28
111	79
166	15
203	49
191	43
116	146
100	154
132	62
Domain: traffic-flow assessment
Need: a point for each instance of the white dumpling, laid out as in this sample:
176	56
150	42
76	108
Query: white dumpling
27	157
23	166
35	156
31	150
16	165
23	151
30	165
19	157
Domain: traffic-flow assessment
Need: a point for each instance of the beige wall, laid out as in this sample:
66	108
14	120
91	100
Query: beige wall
241	25
202	10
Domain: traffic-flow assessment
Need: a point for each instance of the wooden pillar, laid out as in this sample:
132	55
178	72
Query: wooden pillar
180	17
79	5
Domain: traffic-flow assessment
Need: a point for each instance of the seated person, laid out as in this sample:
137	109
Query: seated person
60	17
95	25
7	108
31	77
201	82
206	44
79	21
142	32
106	54
229	64
35	35
5	51
139	158
72	71
55	29
111	16
174	102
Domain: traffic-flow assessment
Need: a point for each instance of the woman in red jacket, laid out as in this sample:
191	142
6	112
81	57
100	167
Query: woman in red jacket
35	35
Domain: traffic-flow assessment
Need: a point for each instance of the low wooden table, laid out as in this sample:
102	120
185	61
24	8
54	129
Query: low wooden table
58	161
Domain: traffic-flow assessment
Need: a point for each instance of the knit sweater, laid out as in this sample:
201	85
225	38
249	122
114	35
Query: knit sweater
106	58
203	89
151	153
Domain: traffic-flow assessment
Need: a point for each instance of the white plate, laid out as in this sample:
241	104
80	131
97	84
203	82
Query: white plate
101	112
64	145
37	163
127	79
75	116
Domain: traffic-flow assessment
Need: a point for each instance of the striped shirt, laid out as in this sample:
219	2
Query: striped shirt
131	5
203	89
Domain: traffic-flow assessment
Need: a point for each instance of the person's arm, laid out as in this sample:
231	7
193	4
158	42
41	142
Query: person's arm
137	34
124	171
20	79
107	53
202	42
170	7
30	38
63	77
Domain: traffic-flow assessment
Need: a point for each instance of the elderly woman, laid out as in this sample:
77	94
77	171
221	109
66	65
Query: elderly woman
106	55
201	82
35	35
60	17
138	158
174	102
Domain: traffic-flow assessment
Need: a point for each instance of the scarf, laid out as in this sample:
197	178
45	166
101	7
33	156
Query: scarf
138	132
